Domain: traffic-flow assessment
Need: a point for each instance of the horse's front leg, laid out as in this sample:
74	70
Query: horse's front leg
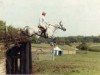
52	40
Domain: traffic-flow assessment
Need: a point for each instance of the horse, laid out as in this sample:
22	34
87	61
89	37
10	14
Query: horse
51	28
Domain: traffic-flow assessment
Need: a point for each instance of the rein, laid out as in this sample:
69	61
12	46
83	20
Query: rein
51	25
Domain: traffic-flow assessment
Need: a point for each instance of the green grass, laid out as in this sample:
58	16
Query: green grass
79	64
95	48
63	47
41	45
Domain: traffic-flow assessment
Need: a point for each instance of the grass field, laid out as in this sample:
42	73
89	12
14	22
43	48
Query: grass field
95	47
79	64
74	64
44	46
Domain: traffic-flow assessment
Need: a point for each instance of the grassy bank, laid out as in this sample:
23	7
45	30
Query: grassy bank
79	64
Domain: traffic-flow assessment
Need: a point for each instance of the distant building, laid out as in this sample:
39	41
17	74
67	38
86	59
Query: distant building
57	51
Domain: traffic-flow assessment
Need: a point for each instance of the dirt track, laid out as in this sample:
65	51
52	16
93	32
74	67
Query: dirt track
2	67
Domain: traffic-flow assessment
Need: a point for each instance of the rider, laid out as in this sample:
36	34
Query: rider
43	24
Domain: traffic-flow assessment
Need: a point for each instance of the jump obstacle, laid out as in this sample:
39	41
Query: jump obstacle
18	57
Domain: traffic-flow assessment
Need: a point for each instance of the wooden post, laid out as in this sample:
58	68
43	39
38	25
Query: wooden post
24	54
28	67
21	52
26	59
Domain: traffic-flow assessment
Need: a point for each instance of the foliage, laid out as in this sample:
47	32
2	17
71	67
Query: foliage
94	48
34	39
79	64
2	28
11	31
79	39
82	46
59	40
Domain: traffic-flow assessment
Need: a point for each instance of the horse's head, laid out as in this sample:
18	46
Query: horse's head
60	26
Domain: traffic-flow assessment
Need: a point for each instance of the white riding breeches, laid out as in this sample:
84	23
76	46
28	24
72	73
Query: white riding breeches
44	26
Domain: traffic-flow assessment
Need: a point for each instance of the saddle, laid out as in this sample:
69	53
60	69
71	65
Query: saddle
43	31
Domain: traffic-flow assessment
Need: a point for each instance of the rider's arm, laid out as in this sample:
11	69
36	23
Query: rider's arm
40	21
45	20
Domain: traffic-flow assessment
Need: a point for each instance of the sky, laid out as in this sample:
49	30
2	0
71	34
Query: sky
80	17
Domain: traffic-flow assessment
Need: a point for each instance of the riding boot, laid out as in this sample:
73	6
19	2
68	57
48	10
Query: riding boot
42	32
44	35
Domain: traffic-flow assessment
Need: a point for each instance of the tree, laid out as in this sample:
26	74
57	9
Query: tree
2	29
83	46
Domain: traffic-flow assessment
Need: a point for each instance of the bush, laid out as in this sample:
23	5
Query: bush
94	49
82	46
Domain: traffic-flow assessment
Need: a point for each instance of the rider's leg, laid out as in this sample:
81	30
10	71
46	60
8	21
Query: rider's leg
43	30
44	33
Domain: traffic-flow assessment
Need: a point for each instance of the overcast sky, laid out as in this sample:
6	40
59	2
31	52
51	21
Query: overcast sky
80	17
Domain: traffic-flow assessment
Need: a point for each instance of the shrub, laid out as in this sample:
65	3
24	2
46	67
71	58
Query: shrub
94	49
82	46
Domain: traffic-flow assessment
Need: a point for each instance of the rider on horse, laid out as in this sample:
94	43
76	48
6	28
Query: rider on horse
43	24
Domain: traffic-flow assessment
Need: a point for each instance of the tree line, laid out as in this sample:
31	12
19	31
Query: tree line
79	39
59	40
6	30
